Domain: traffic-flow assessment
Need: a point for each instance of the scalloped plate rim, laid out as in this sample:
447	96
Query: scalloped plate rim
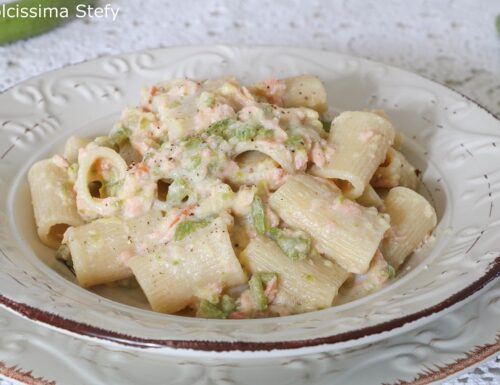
466	294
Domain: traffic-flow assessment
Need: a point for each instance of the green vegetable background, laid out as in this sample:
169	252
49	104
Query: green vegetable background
13	29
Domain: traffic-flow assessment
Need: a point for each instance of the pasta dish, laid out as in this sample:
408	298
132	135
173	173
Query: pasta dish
226	201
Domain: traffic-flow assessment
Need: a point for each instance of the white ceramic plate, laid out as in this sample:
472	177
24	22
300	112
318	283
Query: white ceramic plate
446	347
452	140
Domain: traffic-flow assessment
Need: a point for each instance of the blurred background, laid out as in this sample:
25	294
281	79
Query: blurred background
455	42
452	41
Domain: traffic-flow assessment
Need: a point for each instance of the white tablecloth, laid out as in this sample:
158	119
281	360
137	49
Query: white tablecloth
451	41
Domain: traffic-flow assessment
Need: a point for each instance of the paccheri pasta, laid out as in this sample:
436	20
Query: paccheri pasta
224	201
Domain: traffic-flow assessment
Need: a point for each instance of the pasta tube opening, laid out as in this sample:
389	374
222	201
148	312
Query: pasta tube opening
100	175
56	232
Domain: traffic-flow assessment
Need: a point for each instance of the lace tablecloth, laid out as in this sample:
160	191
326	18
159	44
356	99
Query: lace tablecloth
454	42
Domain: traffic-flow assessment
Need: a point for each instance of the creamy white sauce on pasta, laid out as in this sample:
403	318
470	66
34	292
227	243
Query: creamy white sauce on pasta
238	202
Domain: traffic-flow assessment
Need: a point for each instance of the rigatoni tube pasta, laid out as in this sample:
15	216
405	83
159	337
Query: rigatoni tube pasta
344	231
395	171
72	148
227	201
304	285
296	91
361	140
305	91
201	266
412	220
104	166
53	200
370	198
97	251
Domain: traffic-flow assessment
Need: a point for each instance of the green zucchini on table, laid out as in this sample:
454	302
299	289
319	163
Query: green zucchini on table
18	28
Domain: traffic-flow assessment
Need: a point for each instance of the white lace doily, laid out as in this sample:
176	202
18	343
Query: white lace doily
450	41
